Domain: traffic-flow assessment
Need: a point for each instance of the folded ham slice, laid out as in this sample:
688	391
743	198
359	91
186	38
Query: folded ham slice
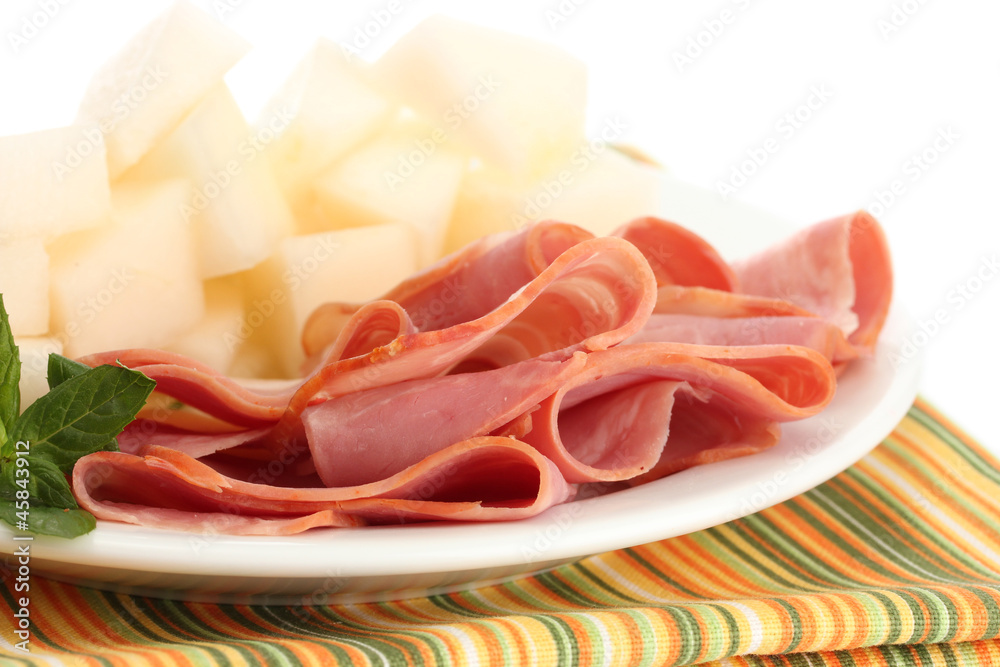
461	287
677	255
652	409
805	331
368	435
591	297
481	479
839	269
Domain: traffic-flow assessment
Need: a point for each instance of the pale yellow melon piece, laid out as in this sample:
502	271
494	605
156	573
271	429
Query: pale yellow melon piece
597	191
133	283
252	359
325	108
52	182
144	92
347	265
405	175
517	102
610	191
235	207
34	355
216	338
488	201
24	283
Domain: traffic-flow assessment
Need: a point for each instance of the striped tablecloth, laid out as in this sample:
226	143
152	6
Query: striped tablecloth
894	562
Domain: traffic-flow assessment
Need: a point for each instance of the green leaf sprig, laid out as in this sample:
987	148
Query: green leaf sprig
83	412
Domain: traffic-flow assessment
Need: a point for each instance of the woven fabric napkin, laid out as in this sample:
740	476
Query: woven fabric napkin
896	561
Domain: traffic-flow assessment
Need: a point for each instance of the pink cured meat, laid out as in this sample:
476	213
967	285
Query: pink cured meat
838	269
481	479
677	255
201	386
806	331
678	300
461	287
593	296
369	435
649	409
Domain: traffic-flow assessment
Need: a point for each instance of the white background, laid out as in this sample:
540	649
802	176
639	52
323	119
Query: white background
892	87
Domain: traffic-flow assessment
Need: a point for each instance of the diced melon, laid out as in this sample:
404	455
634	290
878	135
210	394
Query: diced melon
144	92
133	283
596	191
347	265
517	102
253	359
24	283
488	201
405	175
326	108
236	209
52	182
34	355
216	338
610	191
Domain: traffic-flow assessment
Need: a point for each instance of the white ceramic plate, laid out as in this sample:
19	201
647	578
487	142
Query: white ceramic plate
394	562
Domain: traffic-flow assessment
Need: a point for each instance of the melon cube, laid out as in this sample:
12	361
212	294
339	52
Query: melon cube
236	209
34	355
604	194
488	201
517	102
596	191
133	283
146	90
326	108
52	182
216	338
405	175
347	265
24	283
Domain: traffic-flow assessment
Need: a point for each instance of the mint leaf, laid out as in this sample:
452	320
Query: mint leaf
82	415
61	369
10	373
50	520
44	482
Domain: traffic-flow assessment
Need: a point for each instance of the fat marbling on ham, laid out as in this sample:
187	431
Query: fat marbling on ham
493	384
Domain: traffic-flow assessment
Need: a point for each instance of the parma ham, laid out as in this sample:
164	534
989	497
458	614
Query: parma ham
503	380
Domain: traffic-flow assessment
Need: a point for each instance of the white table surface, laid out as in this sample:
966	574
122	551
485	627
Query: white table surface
888	88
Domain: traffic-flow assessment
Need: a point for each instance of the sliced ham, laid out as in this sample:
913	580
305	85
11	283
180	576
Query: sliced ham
677	255
593	296
203	387
369	435
615	420
805	331
839	269
462	287
678	300
481	479
502	380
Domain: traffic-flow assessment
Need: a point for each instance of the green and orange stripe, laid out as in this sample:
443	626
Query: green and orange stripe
896	561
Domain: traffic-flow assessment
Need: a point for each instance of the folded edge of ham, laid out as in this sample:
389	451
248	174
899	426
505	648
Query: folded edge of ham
460	287
369	435
839	269
806	331
677	255
614	421
481	479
